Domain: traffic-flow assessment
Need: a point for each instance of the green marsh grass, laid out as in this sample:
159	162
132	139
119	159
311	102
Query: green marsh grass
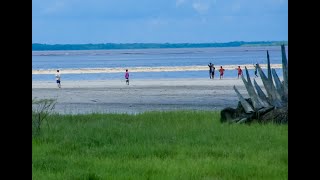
158	145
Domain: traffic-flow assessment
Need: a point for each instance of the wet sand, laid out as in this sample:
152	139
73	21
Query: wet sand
114	96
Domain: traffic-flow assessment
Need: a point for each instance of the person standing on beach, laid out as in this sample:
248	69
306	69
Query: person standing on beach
239	71
221	70
213	69
210	70
255	70
58	79
127	77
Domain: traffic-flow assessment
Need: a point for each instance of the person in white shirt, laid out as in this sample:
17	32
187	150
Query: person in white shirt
58	79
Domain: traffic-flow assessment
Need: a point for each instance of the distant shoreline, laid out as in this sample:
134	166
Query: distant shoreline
106	46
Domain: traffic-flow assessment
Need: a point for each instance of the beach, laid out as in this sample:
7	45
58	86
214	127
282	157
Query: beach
114	96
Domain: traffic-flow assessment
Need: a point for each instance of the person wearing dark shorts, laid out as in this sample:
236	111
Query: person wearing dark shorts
213	69
210	70
127	77
255	70
58	79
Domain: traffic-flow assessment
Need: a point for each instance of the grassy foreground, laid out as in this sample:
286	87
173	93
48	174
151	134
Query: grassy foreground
158	145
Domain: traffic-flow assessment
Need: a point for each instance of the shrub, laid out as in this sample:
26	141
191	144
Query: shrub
41	108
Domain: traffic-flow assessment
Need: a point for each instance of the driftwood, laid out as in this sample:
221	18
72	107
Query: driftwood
272	106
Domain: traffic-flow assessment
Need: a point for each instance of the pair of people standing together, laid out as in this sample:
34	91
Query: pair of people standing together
212	70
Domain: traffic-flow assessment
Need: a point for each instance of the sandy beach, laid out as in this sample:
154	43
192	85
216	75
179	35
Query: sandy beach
114	96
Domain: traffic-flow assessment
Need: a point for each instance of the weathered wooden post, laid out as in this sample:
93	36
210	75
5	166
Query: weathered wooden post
259	106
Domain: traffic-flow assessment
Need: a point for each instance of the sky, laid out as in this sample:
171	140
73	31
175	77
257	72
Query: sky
158	21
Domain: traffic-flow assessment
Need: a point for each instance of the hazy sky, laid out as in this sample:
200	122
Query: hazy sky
158	21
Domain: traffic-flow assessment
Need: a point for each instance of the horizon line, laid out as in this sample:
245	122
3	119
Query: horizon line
264	41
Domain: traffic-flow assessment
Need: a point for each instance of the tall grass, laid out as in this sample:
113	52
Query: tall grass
158	145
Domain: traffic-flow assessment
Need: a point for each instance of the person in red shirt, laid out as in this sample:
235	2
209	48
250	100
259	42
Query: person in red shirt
239	71
221	70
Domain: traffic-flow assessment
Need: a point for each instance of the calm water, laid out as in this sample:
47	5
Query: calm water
46	60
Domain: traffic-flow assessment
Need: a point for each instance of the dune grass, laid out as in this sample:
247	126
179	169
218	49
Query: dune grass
158	145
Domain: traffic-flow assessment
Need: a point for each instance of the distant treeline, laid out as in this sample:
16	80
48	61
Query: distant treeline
43	47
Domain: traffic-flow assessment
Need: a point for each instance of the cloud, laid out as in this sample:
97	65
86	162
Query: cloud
202	6
180	2
54	8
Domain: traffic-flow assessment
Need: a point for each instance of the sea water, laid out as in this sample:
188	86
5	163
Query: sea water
181	58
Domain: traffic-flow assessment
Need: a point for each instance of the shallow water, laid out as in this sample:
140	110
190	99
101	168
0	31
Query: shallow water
150	58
